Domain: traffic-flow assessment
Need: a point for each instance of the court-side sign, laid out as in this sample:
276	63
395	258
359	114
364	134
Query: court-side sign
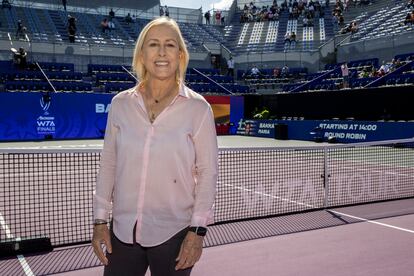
342	131
37	116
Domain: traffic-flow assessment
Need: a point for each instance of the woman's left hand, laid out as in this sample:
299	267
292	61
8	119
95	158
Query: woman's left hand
190	251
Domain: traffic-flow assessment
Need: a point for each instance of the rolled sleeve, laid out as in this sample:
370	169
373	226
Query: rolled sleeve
205	141
106	176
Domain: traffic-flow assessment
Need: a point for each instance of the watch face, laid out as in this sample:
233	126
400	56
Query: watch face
201	231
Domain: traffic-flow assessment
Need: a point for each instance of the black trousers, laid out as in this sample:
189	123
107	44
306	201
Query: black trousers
134	259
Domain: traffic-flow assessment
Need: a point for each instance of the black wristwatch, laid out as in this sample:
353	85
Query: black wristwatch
200	231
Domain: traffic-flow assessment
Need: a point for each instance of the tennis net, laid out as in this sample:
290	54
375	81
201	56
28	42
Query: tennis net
49	192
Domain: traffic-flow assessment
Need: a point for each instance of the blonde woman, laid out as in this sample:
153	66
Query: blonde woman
158	170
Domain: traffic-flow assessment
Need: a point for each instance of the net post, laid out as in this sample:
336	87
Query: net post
325	177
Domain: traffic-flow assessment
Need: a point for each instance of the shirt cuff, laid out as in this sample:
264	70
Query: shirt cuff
202	219
101	214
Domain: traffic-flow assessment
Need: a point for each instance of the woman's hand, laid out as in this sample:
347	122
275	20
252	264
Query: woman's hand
101	236
190	251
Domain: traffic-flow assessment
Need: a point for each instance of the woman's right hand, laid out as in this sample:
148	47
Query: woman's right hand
101	236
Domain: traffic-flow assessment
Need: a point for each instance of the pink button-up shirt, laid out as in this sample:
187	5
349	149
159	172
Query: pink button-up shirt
161	176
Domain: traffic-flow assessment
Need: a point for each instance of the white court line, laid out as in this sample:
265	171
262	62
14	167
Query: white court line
272	196
22	260
374	222
25	265
330	210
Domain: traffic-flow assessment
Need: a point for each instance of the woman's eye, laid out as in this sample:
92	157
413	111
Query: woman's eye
153	44
171	45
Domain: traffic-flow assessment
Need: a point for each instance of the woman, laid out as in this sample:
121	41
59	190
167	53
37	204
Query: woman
159	164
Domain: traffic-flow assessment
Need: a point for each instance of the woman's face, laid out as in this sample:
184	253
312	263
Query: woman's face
160	53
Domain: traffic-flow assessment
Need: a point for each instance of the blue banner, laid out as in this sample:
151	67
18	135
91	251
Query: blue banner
342	131
36	116
29	116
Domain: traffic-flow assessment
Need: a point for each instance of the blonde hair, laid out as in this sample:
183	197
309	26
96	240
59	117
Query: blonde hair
139	68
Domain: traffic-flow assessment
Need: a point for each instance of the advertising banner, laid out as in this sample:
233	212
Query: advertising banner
341	131
37	116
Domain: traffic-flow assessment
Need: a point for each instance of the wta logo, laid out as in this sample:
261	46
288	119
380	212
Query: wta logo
45	103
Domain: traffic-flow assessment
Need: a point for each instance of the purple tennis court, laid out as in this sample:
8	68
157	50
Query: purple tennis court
282	207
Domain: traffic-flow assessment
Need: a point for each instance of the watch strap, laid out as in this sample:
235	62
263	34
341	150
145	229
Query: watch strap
200	231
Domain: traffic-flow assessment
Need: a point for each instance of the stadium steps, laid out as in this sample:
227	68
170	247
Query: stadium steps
33	24
120	28
59	23
42	21
88	28
216	32
264	32
45	16
231	34
128	28
283	19
329	29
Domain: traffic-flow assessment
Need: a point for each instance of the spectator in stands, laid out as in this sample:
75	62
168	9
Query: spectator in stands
255	72
305	21
217	15
72	28
21	30
397	64
162	13
166	11
311	10
20	58
285	71
284	5
128	19
381	72
287	38
222	21
5	4
64	2
214	62
354	26
345	75
351	28
293	39
104	25
111	25
230	67
341	21
158	170
385	67
407	20
373	72
410	4
111	14
364	73
276	72
207	16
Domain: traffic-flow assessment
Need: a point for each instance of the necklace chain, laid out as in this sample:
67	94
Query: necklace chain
151	114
